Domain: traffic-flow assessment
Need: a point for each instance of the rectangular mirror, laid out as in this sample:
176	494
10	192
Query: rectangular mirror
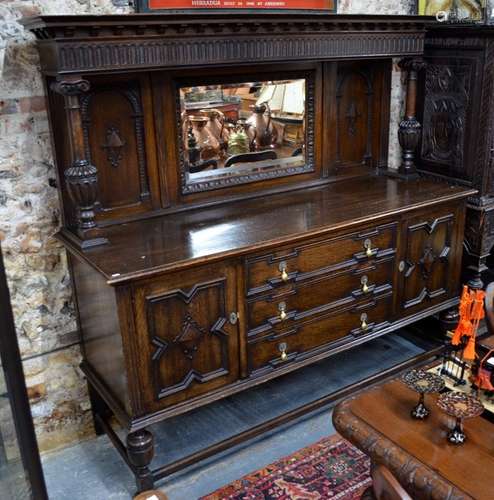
233	133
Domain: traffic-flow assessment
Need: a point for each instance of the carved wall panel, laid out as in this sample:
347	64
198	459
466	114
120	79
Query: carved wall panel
427	260
467	55
447	97
187	332
361	114
114	141
486	153
354	98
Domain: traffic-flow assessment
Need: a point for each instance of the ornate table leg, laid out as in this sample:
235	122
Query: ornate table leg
410	129
140	450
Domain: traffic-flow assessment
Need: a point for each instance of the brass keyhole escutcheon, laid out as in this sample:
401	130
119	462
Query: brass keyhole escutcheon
363	322
234	318
283	267
363	281
368	247
282	309
283	348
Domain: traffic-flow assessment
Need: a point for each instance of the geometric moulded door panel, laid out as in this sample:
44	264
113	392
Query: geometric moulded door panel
428	260
190	341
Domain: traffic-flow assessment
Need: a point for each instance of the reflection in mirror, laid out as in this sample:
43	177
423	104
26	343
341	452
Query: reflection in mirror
242	131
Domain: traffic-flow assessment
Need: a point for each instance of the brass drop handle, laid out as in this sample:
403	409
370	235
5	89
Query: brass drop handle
363	281
368	248
283	269
283	348
282	309
363	322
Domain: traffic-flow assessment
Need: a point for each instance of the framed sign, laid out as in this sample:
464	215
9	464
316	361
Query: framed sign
454	10
323	6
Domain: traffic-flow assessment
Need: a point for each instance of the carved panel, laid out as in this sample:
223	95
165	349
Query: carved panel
486	125
186	330
114	141
354	109
447	90
427	260
196	50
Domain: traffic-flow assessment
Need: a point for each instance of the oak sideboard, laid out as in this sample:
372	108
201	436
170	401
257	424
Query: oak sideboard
227	208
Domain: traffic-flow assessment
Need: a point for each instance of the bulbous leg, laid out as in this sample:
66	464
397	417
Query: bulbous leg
140	450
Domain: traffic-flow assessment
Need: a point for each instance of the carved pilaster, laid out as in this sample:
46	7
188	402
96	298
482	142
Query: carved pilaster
81	177
82	185
410	129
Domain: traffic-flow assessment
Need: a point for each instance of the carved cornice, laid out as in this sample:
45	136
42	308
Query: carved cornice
99	43
58	27
438	41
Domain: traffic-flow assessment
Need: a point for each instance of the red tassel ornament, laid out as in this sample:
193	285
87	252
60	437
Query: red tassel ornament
469	351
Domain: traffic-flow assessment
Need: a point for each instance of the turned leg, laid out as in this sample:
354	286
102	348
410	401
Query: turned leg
98	408
474	272
448	320
140	450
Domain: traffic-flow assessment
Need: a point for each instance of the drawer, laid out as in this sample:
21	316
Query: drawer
304	339
296	263
298	301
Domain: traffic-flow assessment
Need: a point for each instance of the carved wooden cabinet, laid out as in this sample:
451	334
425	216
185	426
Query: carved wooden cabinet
226	207
457	109
187	334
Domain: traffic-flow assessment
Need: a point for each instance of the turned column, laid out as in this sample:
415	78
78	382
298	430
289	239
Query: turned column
140	451
81	177
410	129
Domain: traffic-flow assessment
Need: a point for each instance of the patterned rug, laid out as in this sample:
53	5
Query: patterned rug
331	468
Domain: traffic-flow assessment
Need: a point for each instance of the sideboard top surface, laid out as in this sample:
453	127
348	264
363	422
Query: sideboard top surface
141	249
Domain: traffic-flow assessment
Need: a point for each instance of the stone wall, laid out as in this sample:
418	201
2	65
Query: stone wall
29	215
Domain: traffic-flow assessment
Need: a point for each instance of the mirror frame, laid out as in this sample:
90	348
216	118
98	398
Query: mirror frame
211	184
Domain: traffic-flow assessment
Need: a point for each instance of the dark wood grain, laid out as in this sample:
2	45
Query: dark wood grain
181	305
417	452
302	262
299	339
145	248
101	339
431	257
186	343
325	291
456	106
151	40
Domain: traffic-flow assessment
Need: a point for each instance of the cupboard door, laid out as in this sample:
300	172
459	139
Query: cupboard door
430	267
118	140
188	344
